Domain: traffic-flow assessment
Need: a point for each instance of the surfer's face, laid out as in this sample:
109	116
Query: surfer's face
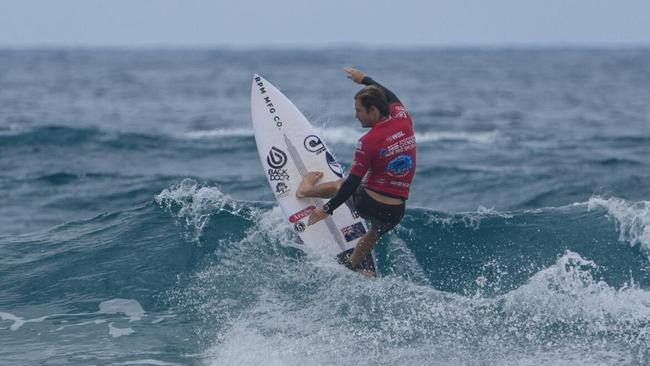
366	117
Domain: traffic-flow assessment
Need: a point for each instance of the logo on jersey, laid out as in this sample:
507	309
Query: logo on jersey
314	144
276	158
395	136
334	166
359	146
399	166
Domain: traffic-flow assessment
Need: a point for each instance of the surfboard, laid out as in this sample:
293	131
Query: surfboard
289	147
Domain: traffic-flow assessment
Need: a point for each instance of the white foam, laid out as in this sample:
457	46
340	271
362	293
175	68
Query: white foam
148	362
347	319
340	135
218	133
568	291
129	307
470	220
17	321
95	322
404	260
119	332
350	135
478	137
197	203
632	218
161	318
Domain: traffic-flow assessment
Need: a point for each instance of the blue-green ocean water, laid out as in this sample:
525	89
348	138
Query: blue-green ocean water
137	227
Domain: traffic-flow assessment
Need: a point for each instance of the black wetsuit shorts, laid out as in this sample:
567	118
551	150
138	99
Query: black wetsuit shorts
382	217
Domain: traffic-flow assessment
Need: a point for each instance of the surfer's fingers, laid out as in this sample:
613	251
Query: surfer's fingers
316	216
351	72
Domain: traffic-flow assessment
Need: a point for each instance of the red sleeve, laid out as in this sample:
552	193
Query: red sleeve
361	160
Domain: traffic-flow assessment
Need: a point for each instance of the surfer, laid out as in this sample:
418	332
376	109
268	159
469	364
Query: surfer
382	169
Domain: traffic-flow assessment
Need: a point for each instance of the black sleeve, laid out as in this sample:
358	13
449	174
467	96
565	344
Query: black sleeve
347	189
392	98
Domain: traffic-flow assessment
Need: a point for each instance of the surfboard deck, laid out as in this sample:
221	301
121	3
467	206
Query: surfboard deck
289	147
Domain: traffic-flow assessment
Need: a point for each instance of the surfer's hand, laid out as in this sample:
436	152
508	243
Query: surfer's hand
316	216
354	74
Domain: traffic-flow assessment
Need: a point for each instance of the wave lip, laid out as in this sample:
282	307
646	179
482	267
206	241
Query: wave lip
194	204
632	219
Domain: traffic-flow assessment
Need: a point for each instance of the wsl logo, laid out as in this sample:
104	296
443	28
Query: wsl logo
276	158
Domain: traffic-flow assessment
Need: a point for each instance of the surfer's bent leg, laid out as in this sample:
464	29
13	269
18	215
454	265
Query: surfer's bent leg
364	246
383	218
309	188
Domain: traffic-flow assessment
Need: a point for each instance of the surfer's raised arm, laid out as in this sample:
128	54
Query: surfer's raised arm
360	78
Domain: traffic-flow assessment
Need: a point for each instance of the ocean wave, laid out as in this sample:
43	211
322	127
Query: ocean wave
485	285
632	219
194	204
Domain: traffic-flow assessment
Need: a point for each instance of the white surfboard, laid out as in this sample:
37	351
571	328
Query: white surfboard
289	147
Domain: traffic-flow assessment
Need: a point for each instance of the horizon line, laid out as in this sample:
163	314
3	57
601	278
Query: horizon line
324	46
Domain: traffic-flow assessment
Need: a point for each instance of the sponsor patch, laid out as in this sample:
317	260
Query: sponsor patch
334	166
281	189
359	145
400	166
276	158
354	231
302	214
314	144
299	226
278	174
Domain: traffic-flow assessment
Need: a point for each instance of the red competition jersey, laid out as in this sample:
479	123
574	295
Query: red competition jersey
385	156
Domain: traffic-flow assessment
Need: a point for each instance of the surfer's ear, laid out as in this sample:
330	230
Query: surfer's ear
374	111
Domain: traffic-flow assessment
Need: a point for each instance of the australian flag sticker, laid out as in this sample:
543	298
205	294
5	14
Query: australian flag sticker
353	231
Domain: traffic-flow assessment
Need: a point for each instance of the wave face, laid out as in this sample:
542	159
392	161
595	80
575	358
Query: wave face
136	226
196	277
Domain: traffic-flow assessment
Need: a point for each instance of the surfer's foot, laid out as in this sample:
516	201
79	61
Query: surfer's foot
308	182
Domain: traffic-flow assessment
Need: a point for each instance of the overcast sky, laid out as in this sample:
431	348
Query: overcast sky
295	23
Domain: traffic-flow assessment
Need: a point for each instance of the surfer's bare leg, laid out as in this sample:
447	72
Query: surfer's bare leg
309	188
364	246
